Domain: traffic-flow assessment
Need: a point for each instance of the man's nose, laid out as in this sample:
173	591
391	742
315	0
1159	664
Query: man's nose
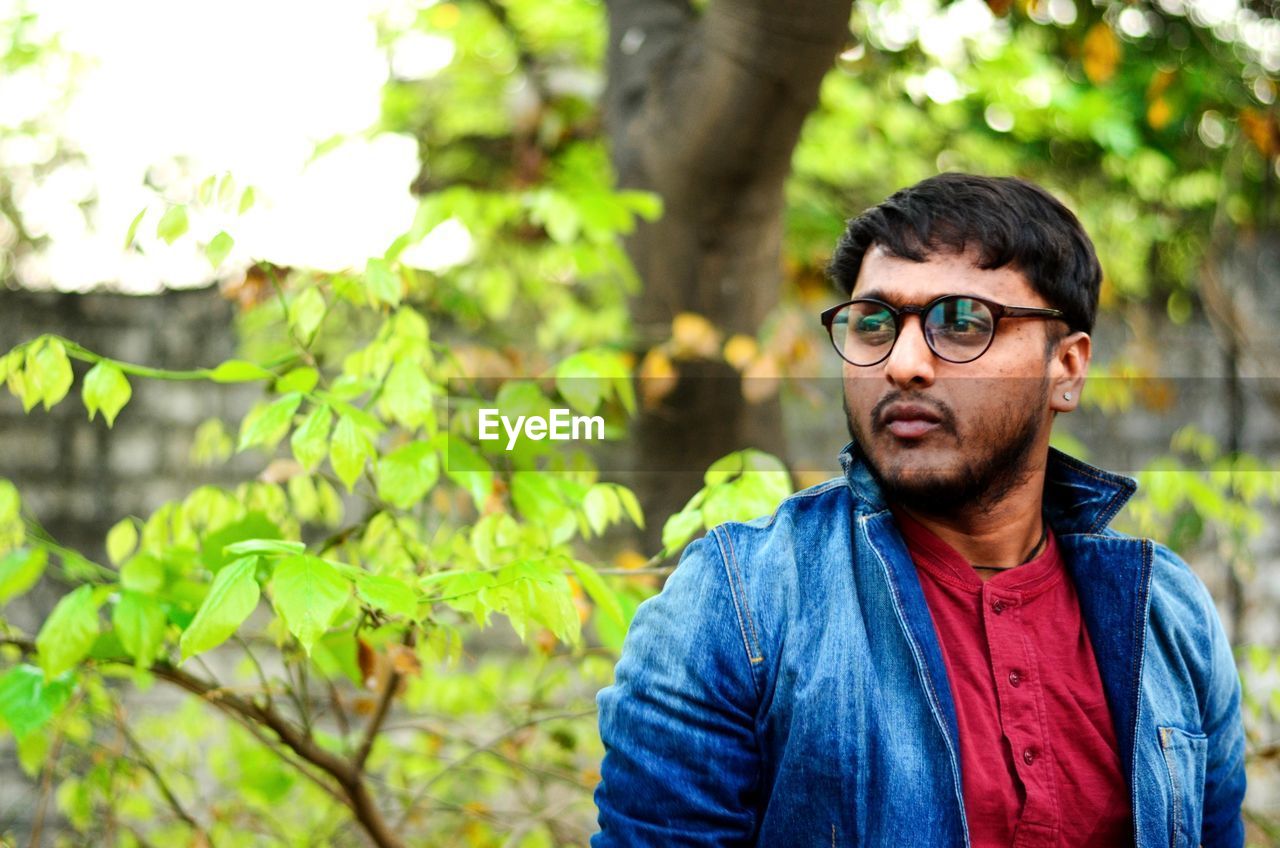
910	362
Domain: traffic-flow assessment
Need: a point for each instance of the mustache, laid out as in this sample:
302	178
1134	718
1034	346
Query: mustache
946	415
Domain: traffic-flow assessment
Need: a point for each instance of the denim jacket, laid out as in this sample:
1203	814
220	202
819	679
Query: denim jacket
787	688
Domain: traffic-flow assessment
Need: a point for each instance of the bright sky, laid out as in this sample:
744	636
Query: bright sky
193	88
185	89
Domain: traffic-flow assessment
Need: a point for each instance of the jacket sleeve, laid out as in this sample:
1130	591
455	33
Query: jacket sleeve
681	764
1224	787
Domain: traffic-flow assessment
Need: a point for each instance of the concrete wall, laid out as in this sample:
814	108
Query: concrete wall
79	478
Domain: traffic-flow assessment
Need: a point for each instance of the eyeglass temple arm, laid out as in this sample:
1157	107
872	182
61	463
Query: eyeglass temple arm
1031	312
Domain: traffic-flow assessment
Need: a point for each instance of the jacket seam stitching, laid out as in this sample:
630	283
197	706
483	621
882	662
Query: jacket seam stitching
734	593
822	489
746	608
1173	784
934	702
1140	622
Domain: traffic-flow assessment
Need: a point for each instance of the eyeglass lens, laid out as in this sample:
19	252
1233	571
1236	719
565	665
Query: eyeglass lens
957	329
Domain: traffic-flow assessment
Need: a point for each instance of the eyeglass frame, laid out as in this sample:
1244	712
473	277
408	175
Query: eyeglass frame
998	312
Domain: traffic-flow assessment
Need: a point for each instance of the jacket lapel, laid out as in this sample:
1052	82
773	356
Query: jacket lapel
1112	575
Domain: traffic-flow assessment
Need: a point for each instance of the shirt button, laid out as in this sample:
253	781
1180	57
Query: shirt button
1014	678
998	607
1028	756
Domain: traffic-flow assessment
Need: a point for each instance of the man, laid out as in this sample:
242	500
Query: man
945	646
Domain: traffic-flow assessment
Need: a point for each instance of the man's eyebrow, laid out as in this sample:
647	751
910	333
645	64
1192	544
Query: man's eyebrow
896	300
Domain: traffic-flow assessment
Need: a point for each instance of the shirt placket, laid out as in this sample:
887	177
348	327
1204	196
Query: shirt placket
1021	705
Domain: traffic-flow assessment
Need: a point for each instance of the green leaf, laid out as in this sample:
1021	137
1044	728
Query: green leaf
142	573
724	469
382	283
19	571
231	597
253	526
349	451
172	224
387	594
68	632
492	534
301	379
646	204
598	590
239	371
10	503
408	394
466	467
121	540
226	190
580	381
267	425
265	546
306	312
247	198
680	528
406	474
218	248
51	370
631	505
139	622
308	593
204	194
310	442
105	388
28	700
602	507
16	379
132	232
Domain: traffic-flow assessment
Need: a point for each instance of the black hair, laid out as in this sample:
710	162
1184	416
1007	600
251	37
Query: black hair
1007	221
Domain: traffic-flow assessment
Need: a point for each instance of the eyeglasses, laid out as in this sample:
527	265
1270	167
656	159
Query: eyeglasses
957	327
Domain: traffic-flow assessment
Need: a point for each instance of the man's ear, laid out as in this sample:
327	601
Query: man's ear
1068	366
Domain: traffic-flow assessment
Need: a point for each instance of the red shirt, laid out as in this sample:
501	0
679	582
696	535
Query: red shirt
1038	756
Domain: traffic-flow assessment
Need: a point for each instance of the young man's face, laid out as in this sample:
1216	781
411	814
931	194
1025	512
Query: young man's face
942	436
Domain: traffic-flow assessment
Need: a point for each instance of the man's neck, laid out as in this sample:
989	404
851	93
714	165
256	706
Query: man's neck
1001	535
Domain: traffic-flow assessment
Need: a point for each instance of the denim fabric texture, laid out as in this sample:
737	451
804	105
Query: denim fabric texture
787	688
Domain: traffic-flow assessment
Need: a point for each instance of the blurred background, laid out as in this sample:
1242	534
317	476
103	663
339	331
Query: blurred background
348	206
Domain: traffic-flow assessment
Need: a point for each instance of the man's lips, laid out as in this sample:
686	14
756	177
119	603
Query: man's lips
910	420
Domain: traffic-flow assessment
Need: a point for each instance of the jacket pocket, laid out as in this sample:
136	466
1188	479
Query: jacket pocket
1185	754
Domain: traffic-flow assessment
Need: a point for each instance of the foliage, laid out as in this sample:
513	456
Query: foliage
336	610
352	576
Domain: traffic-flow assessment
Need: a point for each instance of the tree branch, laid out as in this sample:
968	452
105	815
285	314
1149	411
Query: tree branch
384	706
354	791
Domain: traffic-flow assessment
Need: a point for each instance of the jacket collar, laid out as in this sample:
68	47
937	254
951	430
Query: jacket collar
1078	498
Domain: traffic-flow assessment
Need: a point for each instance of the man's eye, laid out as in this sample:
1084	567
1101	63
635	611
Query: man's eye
870	324
962	326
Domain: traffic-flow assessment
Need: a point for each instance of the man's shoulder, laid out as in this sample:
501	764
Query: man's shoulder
810	510
796	544
1179	599
1170	573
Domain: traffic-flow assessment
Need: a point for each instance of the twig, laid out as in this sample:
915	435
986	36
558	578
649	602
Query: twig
384	706
352	789
46	787
339	712
262	676
149	766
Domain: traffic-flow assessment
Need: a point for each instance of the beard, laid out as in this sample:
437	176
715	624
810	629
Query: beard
989	465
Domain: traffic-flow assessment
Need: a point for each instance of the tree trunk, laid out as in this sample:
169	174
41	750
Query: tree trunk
705	110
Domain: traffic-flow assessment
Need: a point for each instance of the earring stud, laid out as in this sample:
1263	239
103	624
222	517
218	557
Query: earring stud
1066	395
